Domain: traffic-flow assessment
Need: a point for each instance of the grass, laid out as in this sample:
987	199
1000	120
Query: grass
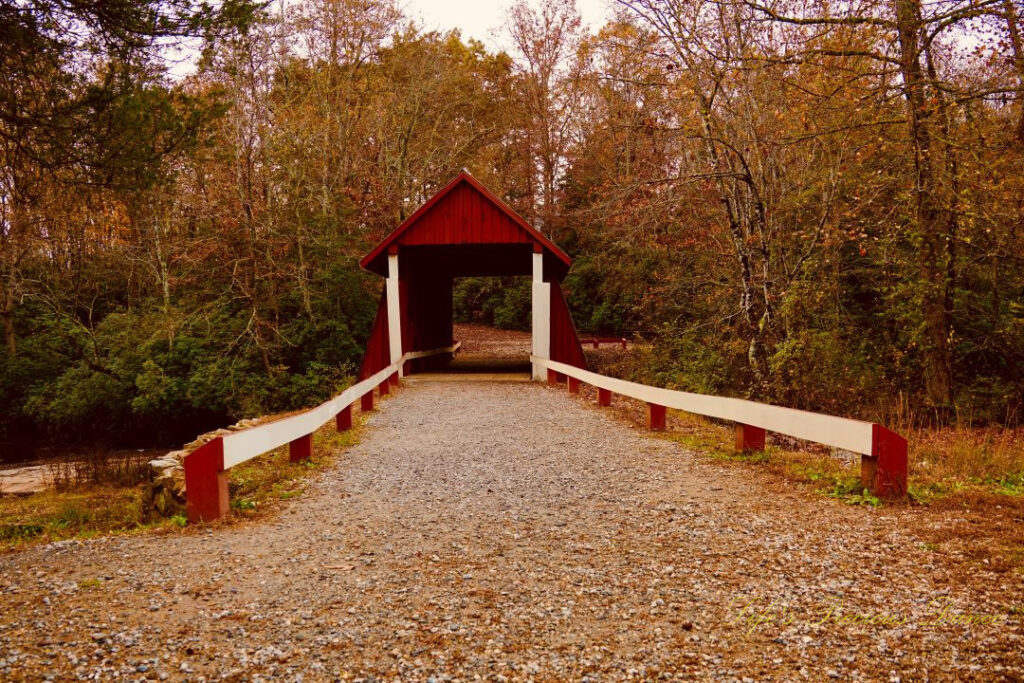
82	512
84	509
958	459
946	462
827	474
258	485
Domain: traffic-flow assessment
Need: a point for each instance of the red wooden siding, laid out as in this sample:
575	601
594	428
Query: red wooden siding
378	348
565	343
464	230
465	212
464	216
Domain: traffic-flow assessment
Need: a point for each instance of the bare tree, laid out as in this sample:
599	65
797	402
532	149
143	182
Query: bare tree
547	42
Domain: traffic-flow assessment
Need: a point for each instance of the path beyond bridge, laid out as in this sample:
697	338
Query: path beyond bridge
519	535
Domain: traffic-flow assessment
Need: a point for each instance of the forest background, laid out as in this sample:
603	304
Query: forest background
811	203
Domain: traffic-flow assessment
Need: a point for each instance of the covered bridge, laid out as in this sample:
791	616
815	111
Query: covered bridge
464	230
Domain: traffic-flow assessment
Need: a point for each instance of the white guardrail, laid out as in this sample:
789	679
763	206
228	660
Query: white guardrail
206	467
884	453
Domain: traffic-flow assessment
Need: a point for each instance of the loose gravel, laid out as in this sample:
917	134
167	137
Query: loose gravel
506	531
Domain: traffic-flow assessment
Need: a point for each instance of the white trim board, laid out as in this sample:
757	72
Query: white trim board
839	432
249	443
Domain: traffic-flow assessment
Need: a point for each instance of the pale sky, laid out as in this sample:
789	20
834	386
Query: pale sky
485	19
480	19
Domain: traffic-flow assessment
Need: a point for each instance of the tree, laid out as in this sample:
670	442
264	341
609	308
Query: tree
547	41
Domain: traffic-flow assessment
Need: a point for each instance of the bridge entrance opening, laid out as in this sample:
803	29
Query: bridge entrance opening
492	325
464	232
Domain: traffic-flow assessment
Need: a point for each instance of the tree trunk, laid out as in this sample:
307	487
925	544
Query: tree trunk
9	263
1017	45
757	354
7	316
303	274
931	228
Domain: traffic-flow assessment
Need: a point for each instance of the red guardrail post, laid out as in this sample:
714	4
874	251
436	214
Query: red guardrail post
574	385
343	420
884	472
655	417
749	439
393	379
206	482
604	397
384	387
366	401
301	448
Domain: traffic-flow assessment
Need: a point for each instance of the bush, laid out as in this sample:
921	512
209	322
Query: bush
821	371
502	302
129	382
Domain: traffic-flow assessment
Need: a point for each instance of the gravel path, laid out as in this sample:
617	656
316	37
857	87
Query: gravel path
508	532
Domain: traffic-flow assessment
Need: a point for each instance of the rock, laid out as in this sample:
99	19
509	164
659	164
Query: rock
167	484
160	465
167	473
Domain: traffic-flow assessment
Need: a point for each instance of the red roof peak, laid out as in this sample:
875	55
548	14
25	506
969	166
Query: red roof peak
512	223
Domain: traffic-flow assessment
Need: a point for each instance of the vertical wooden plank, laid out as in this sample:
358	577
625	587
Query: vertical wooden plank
377	346
206	483
885	470
343	420
655	417
301	448
565	343
749	439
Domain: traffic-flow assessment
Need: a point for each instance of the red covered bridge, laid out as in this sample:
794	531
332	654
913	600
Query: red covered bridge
463	231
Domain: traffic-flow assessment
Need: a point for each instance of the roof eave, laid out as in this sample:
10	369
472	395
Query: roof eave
374	263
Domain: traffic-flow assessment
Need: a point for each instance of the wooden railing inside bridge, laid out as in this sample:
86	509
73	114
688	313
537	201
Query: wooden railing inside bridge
883	452
206	468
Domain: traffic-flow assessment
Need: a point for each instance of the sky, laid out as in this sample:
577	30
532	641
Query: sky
480	19
484	19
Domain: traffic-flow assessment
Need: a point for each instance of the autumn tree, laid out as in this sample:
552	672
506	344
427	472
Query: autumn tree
546	42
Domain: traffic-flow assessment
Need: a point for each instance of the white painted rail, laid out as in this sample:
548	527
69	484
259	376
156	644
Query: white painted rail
250	443
839	432
206	468
883	452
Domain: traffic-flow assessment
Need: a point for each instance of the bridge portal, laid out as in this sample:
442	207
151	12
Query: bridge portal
463	231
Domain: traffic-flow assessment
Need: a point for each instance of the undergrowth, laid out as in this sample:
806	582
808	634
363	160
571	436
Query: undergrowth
81	508
943	462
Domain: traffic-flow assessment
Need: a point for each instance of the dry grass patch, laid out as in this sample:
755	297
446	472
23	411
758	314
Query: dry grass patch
83	512
814	465
962	460
259	485
83	508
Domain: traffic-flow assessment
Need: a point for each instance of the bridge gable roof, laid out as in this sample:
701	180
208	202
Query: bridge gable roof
464	212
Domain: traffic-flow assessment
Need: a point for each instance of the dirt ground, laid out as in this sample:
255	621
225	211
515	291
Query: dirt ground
508	531
488	342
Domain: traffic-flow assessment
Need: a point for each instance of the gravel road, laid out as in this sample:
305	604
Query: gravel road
507	531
